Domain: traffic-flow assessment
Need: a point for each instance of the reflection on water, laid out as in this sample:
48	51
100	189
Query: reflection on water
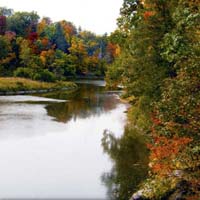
89	100
50	145
130	163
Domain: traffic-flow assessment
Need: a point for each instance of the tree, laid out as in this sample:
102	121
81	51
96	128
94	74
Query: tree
4	47
128	15
69	30
2	25
6	56
178	110
159	68
78	49
26	55
59	38
28	44
49	32
23	23
46	21
47	57
63	65
6	11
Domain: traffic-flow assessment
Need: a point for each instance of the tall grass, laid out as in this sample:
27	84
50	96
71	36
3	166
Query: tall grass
22	84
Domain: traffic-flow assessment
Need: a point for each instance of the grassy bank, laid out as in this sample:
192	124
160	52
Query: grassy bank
21	86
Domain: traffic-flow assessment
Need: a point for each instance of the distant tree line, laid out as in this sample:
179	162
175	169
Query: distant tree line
39	49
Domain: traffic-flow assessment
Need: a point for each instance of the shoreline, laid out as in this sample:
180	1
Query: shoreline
24	92
21	86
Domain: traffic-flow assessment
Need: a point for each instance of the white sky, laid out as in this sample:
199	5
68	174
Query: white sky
98	16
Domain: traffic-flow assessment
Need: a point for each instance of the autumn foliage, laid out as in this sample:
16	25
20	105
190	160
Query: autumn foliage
45	47
148	14
159	69
113	49
164	151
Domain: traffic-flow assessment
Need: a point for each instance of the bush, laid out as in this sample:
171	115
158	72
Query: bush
44	75
23	72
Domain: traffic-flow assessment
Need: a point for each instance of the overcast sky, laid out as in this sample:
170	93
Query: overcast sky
98	16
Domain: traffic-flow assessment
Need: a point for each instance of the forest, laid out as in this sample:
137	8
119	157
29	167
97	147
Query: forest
159	67
155	55
39	49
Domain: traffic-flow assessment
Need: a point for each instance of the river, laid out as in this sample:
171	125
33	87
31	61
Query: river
51	145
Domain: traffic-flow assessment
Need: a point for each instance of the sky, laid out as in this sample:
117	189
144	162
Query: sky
98	16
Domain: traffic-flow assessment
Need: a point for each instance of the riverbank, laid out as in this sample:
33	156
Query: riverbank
85	77
14	86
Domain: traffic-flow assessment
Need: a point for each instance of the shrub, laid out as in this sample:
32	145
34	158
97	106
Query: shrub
44	75
23	72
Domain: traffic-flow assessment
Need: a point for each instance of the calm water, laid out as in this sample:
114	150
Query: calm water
50	146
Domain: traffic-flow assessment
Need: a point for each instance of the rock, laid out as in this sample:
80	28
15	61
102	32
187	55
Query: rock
138	195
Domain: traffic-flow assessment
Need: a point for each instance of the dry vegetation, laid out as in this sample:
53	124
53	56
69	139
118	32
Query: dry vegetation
22	84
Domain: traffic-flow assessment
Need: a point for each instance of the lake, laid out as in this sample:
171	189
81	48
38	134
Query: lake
50	145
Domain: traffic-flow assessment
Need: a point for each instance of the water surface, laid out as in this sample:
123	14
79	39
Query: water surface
50	145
